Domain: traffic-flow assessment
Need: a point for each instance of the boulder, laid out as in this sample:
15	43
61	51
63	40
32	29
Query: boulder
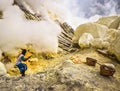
96	35
99	43
96	30
85	40
110	22
2	69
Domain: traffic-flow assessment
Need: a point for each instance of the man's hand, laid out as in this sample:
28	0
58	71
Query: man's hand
29	56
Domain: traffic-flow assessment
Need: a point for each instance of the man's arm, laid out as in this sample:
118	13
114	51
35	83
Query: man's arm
25	59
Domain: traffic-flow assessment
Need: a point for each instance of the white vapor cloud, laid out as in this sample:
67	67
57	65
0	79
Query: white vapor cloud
16	32
5	4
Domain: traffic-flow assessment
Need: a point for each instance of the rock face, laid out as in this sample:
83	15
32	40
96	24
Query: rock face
102	34
96	30
2	69
113	35
91	34
110	22
115	46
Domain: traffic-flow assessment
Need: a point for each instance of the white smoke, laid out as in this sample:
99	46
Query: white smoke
16	32
71	11
5	4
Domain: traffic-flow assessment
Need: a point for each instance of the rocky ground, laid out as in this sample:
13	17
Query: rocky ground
67	71
66	74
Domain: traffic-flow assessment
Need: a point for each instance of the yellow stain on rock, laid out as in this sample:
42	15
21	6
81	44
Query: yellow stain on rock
35	64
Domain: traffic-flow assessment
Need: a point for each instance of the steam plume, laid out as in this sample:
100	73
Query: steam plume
16	32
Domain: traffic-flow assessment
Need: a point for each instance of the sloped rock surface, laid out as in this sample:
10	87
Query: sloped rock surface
115	46
65	77
2	69
110	22
83	78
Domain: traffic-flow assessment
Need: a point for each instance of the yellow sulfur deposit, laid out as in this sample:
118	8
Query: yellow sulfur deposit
37	63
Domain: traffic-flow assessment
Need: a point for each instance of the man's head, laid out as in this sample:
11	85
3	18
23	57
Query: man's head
23	51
